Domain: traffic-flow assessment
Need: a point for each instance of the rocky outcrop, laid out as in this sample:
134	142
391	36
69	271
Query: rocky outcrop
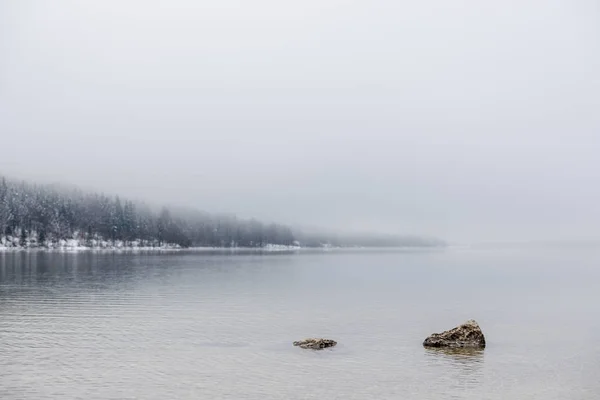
315	343
468	334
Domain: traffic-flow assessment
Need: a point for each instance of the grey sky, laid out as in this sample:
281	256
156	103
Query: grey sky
470	120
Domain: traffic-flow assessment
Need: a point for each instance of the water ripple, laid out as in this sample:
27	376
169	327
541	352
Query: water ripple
221	327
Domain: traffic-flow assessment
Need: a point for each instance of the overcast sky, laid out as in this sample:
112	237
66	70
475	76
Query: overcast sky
468	120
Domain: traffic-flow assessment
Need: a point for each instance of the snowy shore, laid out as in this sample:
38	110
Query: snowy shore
14	244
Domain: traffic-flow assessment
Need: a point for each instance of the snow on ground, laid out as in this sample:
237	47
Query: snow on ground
13	243
265	248
279	247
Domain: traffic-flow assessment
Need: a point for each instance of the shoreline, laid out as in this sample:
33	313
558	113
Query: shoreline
75	246
265	249
12	245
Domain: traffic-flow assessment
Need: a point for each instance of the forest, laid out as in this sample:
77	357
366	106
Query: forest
34	215
42	215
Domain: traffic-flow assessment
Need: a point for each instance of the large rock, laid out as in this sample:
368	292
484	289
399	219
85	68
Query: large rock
315	343
468	334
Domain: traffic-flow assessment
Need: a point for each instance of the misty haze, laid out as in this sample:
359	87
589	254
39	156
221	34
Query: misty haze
191	190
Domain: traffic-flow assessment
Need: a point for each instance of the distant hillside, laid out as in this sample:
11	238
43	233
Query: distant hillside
44	215
33	215
314	239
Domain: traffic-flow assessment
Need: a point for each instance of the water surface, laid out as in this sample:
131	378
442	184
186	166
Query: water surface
220	326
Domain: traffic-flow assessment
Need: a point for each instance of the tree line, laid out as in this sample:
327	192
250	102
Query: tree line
43	215
48	214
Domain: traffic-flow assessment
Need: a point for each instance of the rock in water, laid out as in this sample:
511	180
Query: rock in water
468	334
315	344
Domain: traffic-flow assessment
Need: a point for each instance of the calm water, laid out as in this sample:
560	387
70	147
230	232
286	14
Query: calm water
191	326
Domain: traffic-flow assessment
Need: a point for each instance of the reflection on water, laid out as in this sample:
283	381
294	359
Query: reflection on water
460	354
220	325
460	368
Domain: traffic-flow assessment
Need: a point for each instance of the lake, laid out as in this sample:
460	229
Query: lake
220	325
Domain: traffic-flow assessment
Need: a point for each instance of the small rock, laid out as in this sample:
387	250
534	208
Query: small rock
315	344
468	334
